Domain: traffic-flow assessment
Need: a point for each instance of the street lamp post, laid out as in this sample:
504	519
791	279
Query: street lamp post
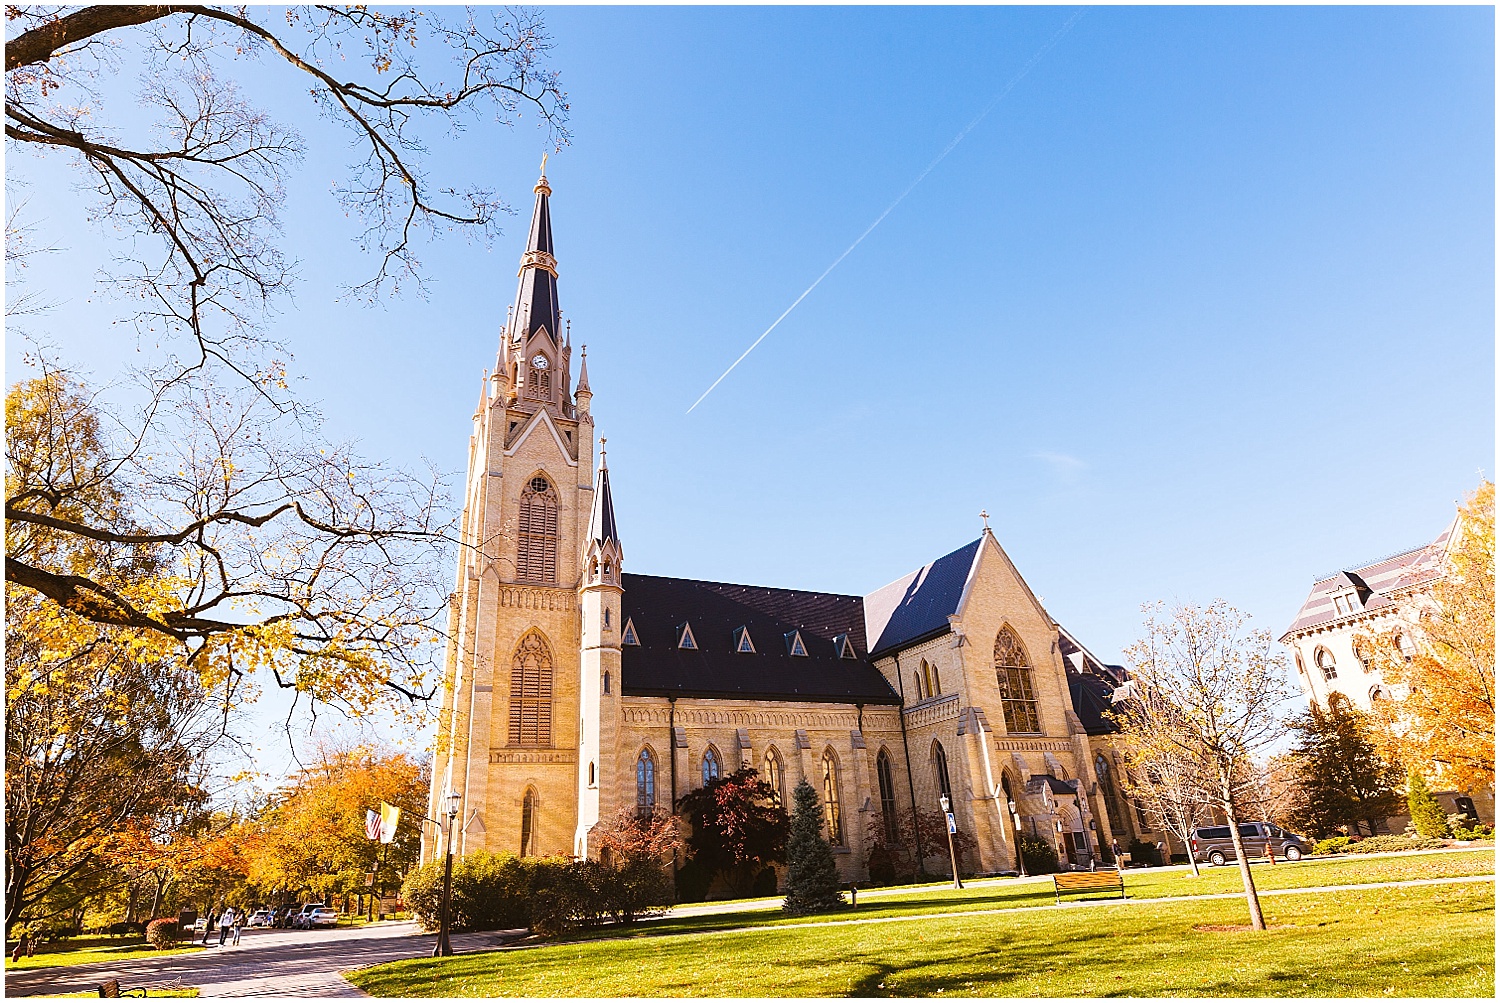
1015	822
952	853
443	949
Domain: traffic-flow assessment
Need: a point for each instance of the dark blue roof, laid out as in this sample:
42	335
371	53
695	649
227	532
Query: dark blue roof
657	607
917	605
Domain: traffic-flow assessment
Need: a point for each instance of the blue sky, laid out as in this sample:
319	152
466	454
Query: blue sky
1204	307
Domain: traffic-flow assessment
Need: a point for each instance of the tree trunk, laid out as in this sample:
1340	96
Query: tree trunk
1257	921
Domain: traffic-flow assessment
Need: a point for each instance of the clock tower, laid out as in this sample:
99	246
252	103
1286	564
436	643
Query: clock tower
508	737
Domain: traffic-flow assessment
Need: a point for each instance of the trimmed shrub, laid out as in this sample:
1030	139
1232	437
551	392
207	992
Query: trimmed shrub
1040	855
1335	844
1479	831
1142	852
548	895
163	933
1388	844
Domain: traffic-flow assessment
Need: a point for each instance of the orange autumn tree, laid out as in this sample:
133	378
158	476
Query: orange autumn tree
310	836
1444	722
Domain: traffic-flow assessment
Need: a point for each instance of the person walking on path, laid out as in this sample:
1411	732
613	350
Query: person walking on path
239	924
1114	848
224	922
208	925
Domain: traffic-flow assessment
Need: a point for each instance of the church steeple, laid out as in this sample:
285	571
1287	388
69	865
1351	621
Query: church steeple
534	350
602	530
536	297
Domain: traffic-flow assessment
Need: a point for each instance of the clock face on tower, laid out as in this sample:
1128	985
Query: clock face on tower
540	362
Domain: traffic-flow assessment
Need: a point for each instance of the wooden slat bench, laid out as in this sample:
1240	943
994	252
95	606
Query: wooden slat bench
1087	881
110	988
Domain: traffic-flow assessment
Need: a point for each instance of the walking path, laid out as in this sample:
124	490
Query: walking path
267	963
309	963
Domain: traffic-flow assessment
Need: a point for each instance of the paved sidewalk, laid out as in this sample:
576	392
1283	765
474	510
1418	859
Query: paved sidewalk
267	963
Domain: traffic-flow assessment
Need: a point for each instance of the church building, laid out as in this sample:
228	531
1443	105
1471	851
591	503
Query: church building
574	689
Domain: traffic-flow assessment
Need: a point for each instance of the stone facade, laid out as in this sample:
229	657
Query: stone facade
546	728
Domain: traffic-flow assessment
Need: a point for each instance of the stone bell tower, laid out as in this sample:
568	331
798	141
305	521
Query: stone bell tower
508	738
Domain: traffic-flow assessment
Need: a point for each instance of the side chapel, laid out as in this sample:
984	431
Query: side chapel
574	689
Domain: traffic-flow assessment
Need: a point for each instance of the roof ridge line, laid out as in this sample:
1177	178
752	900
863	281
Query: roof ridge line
1379	560
742	585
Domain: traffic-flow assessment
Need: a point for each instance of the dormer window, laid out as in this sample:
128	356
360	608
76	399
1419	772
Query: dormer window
685	637
794	645
742	643
627	636
1346	603
844	646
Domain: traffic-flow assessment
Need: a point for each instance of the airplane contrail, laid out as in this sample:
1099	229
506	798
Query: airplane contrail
1067	25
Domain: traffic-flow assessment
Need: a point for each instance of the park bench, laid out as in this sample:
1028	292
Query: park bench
110	989
1087	881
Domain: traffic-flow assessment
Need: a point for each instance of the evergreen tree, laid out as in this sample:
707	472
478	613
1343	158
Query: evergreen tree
1341	777
1426	814
812	879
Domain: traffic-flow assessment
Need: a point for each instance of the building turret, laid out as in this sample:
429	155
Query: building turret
599	683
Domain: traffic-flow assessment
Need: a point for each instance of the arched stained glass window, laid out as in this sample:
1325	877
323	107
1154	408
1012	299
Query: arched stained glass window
645	783
887	781
531	692
940	763
831	814
536	533
711	765
1013	673
528	823
773	774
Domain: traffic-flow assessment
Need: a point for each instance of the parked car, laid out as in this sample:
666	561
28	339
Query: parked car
261	917
1213	843
322	916
299	918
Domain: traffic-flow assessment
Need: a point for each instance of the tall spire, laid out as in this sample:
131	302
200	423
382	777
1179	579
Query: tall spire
536	298
602	520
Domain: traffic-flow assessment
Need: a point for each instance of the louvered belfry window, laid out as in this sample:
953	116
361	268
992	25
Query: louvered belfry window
1013	673
536	545
531	692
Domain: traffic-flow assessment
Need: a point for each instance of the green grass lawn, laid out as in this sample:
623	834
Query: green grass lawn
1150	883
84	950
1415	941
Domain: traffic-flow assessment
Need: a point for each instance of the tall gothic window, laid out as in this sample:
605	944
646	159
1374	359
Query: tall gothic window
831	815
536	543
1013	672
711	767
528	823
531	692
1107	789
940	762
645	783
773	775
887	798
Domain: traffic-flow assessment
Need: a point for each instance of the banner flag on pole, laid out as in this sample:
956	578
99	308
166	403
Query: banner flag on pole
372	824
389	816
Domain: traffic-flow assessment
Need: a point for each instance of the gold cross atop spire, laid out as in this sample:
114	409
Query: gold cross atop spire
542	188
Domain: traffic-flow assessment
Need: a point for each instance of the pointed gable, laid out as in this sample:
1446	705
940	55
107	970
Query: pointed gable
794	645
627	636
742	643
685	638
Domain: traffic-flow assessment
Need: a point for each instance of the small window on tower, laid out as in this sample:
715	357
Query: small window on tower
606	616
606	683
627	636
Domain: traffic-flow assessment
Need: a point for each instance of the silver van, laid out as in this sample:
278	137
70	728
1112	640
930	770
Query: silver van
1212	843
